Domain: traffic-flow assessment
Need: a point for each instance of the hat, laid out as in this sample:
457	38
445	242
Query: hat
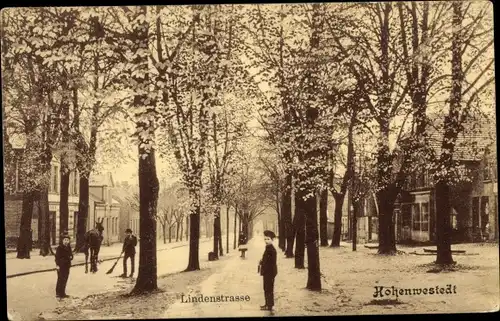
128	231
65	236
269	234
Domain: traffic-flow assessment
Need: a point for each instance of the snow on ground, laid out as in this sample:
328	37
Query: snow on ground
238	278
349	281
119	305
30	295
348	278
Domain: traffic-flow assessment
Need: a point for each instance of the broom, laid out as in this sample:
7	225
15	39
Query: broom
114	265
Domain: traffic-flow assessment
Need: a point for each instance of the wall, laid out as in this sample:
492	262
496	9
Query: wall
12	217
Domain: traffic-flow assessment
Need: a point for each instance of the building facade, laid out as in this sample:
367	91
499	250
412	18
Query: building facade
101	204
13	206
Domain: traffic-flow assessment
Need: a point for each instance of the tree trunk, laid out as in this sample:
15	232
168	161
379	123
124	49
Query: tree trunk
308	207
235	233
169	233
443	226
337	227
221	248
43	214
24	239
287	217
227	229
182	229
64	198
83	211
148	196
219	232
281	227
244	225
323	217
164	228
187	227
216	235
194	238
300	228
355	206
177	232
386	237
452	127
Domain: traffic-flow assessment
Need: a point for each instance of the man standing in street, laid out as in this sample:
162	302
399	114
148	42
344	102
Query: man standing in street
64	255
268	269
129	252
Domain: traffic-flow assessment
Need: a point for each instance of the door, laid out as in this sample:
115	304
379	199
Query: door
485	217
475	218
406	222
52	215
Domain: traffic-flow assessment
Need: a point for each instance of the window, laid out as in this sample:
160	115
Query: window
424	223
51	184
454	219
420	213
55	180
413	181
486	171
426	178
71	188
75	183
416	216
406	213
420	179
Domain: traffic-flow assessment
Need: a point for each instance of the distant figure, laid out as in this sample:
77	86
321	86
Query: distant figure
242	244
486	233
64	256
129	250
268	269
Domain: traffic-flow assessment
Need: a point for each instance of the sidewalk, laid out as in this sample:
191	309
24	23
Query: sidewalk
238	277
37	263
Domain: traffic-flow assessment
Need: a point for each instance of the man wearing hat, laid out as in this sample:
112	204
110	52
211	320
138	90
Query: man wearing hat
64	255
129	250
268	269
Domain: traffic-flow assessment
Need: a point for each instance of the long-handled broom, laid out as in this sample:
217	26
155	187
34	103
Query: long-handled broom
114	265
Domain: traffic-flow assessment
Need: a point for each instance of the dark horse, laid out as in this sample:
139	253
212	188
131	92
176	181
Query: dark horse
92	243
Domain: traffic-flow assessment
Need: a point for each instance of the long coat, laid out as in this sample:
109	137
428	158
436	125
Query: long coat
129	245
268	265
63	256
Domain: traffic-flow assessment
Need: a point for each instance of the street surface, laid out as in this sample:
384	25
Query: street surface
29	295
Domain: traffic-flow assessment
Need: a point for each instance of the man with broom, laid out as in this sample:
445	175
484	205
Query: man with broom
129	252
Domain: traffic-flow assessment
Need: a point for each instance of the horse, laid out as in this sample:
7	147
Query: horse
92	243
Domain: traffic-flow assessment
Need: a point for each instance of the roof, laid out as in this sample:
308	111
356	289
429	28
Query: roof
477	136
471	144
95	198
114	201
102	180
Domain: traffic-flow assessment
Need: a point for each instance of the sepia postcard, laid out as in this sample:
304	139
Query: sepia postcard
249	160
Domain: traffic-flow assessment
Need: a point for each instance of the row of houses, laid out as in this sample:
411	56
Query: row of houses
108	200
474	203
103	204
